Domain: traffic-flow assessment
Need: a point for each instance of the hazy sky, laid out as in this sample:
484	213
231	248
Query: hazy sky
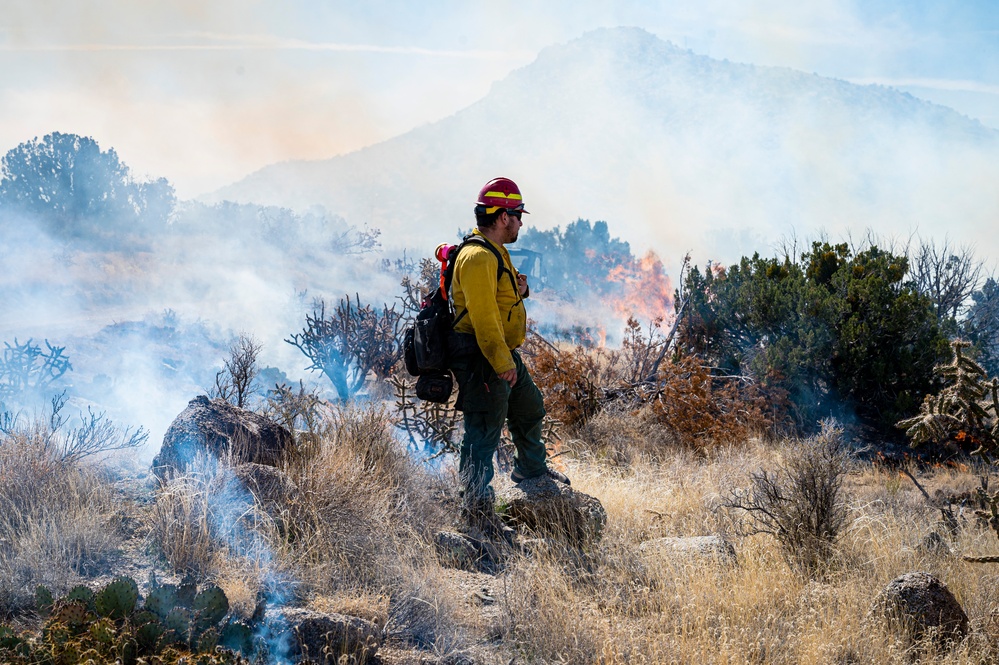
205	92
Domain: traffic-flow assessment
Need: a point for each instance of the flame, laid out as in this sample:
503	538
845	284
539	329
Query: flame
648	290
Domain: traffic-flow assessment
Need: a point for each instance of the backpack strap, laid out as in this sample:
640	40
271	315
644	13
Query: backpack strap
500	269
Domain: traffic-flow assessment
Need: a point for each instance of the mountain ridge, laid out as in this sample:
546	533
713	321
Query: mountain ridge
623	126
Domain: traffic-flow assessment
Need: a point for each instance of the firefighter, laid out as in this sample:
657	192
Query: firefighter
494	386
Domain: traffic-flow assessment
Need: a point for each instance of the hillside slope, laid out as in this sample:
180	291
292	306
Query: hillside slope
673	149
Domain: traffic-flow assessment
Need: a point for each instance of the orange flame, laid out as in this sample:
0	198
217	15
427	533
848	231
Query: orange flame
648	290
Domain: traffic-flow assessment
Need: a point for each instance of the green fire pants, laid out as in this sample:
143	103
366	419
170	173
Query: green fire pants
488	402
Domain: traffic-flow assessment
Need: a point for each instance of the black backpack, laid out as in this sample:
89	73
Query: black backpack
427	343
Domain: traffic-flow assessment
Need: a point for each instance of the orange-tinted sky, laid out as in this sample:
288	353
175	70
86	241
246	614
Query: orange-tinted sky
205	93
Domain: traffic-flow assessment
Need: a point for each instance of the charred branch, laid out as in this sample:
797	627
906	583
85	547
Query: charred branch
350	342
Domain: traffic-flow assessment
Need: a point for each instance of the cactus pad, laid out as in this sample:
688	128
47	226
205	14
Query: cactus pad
103	631
161	600
208	641
148	636
43	600
81	593
142	617
186	593
178	625
210	605
72	614
237	636
8	638
117	600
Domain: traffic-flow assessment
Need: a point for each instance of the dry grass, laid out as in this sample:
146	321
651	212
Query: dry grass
59	519
624	606
356	538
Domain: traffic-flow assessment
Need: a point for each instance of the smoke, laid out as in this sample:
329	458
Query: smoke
146	331
678	153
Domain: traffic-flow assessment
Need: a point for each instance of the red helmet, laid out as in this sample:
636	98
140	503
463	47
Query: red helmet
500	193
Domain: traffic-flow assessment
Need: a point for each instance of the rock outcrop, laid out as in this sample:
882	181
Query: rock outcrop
917	604
301	635
546	508
215	429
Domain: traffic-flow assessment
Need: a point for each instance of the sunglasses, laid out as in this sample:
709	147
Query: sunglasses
515	213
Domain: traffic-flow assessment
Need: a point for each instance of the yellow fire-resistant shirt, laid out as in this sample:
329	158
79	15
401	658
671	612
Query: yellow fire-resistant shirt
496	311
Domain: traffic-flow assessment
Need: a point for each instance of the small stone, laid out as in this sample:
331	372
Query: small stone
456	550
694	548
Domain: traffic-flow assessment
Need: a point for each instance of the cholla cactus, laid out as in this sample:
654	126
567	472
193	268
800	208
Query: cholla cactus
963	411
967	410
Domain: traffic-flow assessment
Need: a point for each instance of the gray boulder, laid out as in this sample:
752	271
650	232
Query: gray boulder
917	604
712	548
300	635
215	429
547	508
456	550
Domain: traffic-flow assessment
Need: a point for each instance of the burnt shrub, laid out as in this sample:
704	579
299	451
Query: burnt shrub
801	503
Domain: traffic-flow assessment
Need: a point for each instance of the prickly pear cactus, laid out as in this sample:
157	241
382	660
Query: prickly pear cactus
83	594
178	626
72	614
117	600
43	600
186	593
210	606
148	636
85	628
207	641
8	638
103	631
237	636
161	600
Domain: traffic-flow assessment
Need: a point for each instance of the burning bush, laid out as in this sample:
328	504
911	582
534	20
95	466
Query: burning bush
703	410
569	378
584	264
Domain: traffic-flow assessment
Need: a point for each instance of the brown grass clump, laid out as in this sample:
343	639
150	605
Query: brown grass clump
59	518
361	500
622	435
